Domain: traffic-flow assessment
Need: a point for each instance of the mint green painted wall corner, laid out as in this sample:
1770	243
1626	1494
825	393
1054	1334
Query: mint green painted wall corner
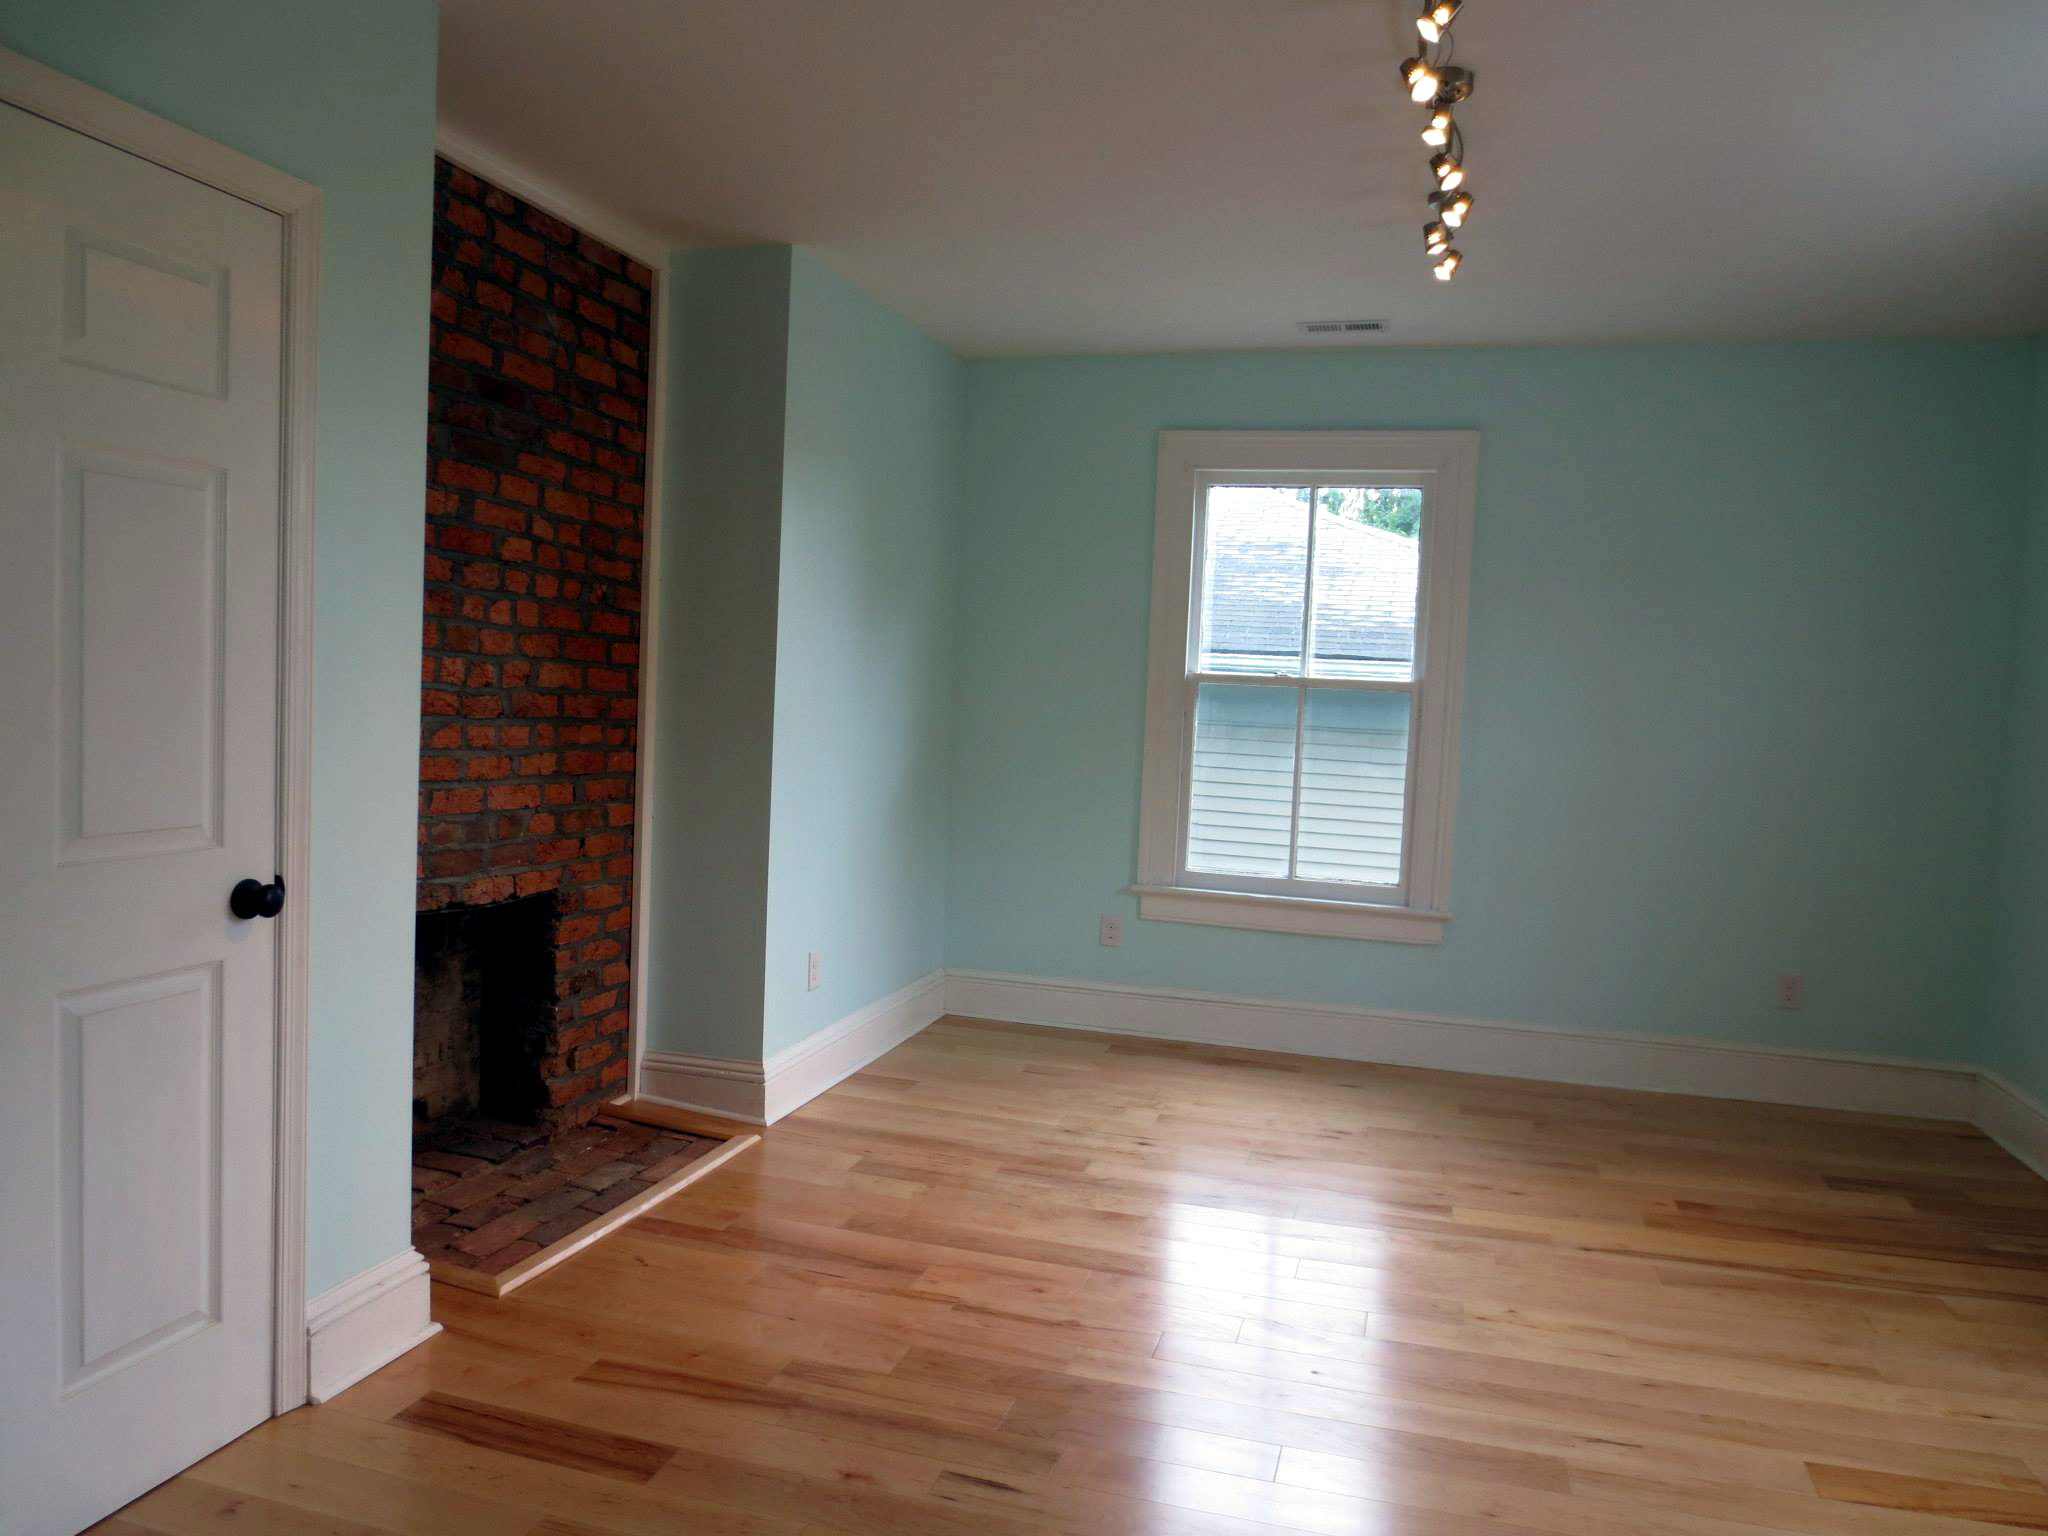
714	750
804	667
857	862
1742	621
2019	1039
343	97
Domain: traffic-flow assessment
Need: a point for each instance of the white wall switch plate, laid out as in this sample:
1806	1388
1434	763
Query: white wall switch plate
1791	991
815	973
1112	931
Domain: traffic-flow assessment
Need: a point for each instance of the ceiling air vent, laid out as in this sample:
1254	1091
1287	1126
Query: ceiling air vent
1340	327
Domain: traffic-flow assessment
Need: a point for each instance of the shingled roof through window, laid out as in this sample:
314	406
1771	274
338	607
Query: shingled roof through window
1365	588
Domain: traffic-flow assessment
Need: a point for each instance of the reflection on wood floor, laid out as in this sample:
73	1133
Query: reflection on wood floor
1015	1280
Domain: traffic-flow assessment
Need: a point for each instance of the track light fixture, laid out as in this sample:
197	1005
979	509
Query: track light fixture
1433	81
1452	207
1453	84
1436	19
1421	78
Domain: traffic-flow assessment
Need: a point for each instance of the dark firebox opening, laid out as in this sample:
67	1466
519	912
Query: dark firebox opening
484	1004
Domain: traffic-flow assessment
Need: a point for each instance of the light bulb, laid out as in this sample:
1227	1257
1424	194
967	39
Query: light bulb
1435	238
1447	268
1449	173
1452	207
1437	130
1436	19
1420	78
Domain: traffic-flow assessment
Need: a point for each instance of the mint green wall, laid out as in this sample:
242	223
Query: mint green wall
2019	1041
804	672
857	861
720	541
343	97
1741	628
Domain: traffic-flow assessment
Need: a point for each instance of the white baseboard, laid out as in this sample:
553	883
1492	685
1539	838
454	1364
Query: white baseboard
762	1092
367	1322
1656	1063
2014	1119
799	1073
726	1086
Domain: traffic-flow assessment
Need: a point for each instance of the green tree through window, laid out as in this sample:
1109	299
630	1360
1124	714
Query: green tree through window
1398	509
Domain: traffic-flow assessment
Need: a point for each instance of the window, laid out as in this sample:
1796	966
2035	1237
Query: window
1308	636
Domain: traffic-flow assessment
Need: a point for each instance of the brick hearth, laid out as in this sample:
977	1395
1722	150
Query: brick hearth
530	682
487	1197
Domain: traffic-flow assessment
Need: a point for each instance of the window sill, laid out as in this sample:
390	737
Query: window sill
1291	914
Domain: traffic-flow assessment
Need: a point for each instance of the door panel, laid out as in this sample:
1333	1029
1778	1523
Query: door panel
140	627
141	1184
140	397
145	314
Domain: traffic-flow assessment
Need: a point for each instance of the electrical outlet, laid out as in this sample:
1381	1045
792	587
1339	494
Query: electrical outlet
1112	931
815	974
1791	991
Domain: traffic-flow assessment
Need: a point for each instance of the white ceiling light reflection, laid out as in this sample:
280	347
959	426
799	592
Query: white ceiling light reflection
1301	1366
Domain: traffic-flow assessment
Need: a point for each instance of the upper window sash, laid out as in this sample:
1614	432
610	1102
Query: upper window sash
1304	660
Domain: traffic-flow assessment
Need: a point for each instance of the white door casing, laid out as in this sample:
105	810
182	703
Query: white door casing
142	335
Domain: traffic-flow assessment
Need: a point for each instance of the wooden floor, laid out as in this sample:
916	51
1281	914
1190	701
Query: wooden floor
1010	1280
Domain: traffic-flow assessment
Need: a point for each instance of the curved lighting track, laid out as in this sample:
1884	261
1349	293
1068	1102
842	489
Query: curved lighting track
1433	81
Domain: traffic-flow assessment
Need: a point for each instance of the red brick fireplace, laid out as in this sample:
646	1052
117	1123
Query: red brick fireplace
536	430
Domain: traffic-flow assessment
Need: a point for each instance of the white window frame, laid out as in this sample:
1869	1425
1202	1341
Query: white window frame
1445	466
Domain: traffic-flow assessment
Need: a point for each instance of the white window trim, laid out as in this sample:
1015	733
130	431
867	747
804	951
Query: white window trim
1445	464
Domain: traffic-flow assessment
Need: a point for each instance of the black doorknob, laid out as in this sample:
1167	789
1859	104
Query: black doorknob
252	898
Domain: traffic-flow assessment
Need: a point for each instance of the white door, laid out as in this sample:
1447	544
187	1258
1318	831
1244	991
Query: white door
140	379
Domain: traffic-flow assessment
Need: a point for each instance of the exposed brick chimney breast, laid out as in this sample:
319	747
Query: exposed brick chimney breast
537	442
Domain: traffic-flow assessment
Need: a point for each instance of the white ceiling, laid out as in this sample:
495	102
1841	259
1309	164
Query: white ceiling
1130	175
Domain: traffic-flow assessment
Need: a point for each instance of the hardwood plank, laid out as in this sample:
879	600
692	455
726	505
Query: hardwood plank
2025	1508
840	1494
186	1506
525	1434
427	1465
282	1471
